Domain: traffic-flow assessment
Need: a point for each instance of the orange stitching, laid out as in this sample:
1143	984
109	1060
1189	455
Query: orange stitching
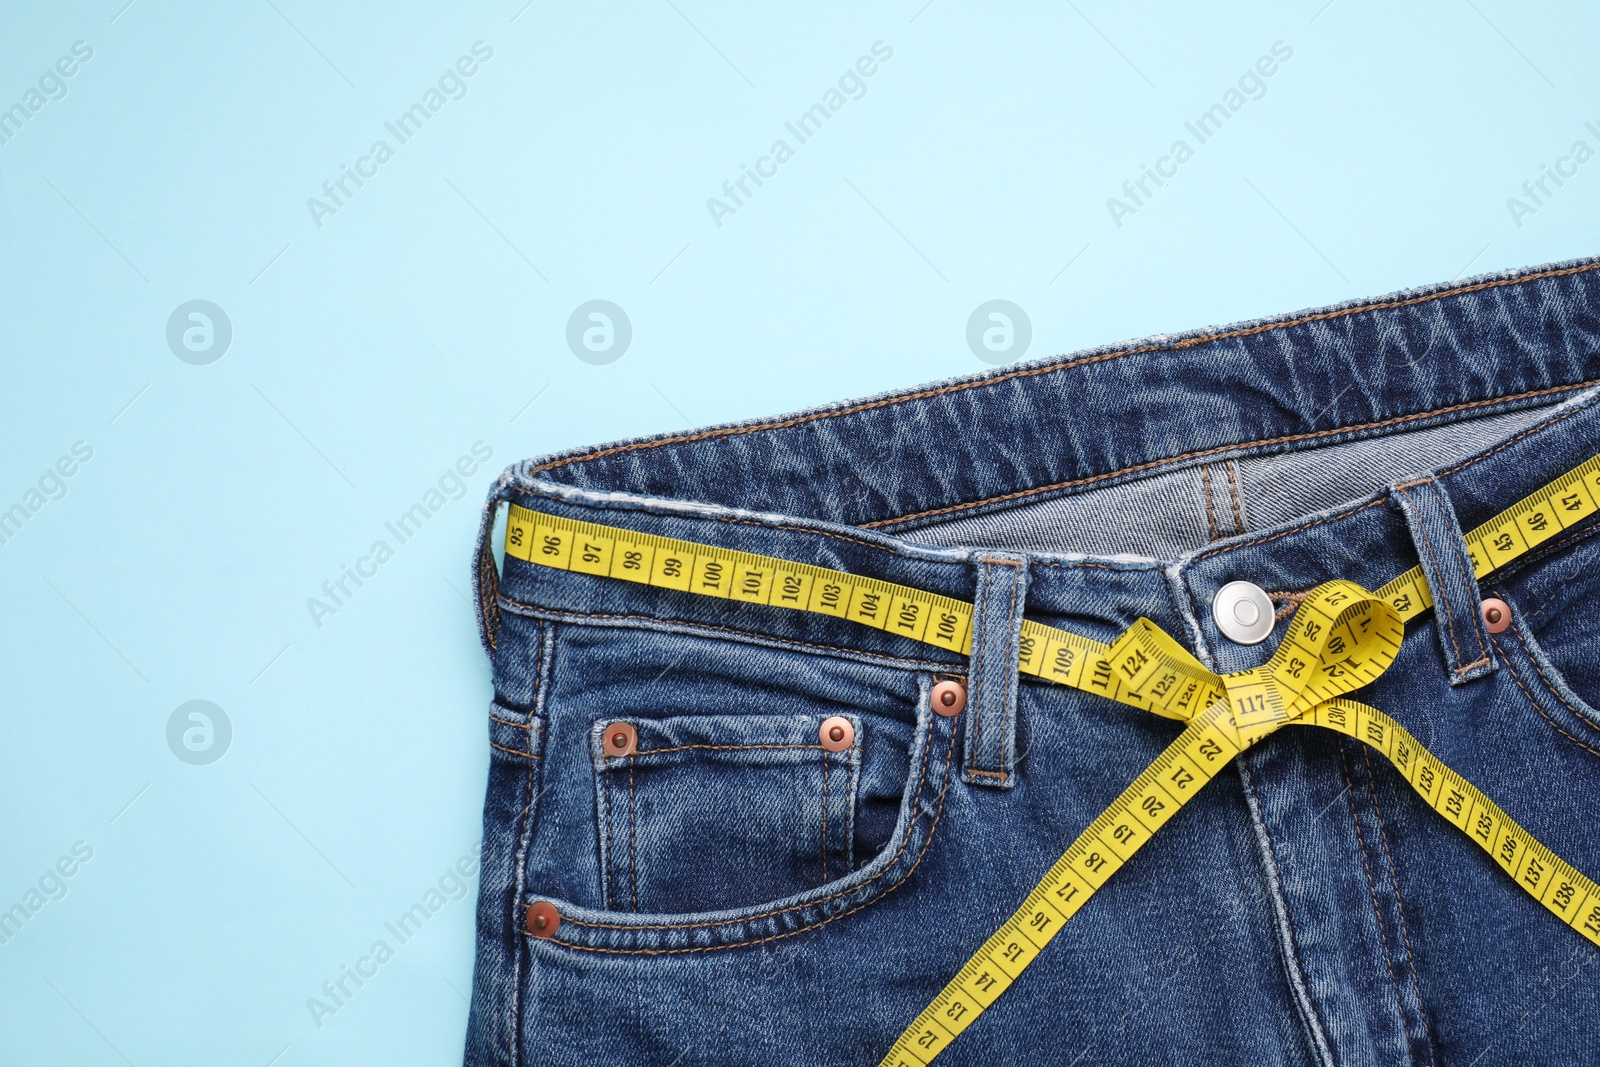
824	819
541	676
1211	512
731	521
1444	609
1233	487
1290	530
1400	905
1377	913
1323	316
1580	716
487	607
1459	543
1168	461
926	844
922	777
1535	703
1291	602
633	838
1508	442
1277	873
529	725
975	670
605	795
514	751
1560	543
517	605
720	748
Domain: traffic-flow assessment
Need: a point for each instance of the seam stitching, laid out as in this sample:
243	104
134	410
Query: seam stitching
1233	487
1458	542
633	838
824	818
514	751
530	725
922	776
1291	530
980	608
536	611
1239	446
1211	511
544	648
718	748
609	849
926	844
1377	911
1323	316
1448	609
1294	941
1536	705
727	520
1399	902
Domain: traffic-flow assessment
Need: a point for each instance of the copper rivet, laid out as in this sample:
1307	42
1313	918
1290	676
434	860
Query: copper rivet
1496	614
620	739
948	698
543	919
837	733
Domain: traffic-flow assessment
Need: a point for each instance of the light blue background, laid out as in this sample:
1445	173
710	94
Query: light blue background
425	315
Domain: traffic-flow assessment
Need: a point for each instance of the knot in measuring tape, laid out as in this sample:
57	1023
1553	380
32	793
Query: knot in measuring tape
1341	638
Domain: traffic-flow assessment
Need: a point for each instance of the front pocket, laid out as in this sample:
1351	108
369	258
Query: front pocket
720	811
1546	689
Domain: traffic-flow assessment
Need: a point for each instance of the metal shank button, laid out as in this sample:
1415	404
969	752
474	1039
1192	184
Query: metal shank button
948	698
620	739
1496	614
543	920
1243	612
837	733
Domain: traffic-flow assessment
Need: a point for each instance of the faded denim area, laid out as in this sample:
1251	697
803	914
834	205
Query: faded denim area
733	893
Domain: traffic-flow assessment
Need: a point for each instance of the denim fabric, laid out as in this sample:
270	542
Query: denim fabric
1447	564
749	899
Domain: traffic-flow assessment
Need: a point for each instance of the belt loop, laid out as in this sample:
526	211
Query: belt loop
1447	565
991	745
485	579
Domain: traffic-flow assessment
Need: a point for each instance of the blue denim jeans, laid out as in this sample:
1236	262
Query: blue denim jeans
733	893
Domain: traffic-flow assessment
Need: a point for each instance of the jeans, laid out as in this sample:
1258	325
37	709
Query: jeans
732	892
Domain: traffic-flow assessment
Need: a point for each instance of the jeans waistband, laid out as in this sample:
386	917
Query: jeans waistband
851	485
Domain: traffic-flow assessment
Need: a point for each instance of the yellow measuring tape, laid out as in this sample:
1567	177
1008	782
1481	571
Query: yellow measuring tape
1341	638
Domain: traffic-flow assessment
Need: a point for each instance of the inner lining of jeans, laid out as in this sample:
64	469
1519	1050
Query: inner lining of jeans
1168	515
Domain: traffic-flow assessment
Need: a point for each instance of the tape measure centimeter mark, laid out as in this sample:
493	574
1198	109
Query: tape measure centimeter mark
670	563
1047	652
1570	895
1517	530
1156	673
1204	747
1341	639
1176	776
